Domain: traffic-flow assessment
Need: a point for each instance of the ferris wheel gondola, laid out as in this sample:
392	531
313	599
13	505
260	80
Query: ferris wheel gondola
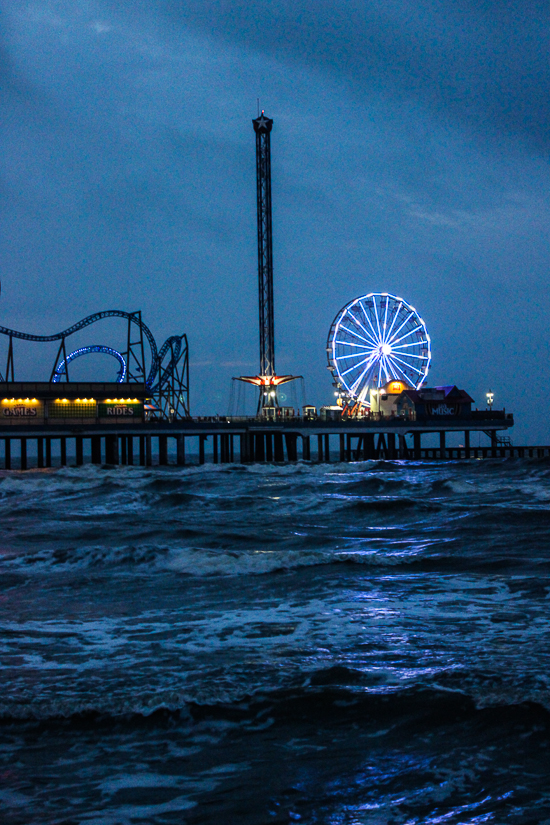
375	339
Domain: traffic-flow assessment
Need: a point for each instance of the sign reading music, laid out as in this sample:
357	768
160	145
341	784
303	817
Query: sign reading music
443	409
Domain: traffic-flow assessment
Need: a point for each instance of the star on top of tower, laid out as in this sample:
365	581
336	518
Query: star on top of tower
262	123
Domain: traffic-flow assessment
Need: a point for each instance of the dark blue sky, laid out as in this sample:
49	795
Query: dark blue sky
410	155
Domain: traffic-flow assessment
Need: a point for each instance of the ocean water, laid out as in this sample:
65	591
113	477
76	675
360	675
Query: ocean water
353	644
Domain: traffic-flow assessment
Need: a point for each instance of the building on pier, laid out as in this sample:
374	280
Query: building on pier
78	403
398	399
383	400
447	402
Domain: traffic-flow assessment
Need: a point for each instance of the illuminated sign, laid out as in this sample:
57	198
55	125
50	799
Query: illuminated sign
120	407
442	409
20	407
19	411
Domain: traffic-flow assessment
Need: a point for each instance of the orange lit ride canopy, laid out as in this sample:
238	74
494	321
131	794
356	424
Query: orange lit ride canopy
267	380
267	385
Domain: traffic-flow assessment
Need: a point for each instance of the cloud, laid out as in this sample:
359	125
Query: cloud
100	28
484	64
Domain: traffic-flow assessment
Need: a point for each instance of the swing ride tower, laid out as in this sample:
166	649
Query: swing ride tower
267	380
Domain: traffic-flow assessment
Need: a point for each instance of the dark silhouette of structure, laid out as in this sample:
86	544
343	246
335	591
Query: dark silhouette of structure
262	127
267	380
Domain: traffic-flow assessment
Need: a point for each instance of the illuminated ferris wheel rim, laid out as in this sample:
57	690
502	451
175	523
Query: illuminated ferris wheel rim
378	351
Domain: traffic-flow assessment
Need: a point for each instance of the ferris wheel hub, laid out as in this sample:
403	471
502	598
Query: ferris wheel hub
386	349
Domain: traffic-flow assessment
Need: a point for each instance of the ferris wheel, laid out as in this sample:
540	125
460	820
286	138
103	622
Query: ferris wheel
374	339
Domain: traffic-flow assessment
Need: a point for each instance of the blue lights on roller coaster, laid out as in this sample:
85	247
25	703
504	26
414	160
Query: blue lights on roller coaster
168	383
62	366
91	319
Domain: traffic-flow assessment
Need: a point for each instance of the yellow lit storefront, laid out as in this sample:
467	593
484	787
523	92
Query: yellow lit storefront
63	408
382	400
48	406
21	411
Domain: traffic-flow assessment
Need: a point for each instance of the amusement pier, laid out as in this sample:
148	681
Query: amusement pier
120	437
378	351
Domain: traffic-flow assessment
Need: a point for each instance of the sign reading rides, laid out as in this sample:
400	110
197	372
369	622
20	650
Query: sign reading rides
120	409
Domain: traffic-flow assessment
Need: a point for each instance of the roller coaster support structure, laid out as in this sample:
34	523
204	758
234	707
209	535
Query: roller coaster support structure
135	352
168	383
171	393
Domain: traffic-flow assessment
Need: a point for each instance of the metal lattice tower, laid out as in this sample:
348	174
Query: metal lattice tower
262	127
266	380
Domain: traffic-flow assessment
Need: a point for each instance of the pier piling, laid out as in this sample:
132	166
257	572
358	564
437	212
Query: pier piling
180	450
163	450
96	449
123	450
79	450
279	447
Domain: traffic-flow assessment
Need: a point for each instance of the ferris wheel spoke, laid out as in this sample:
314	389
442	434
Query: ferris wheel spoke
351	344
405	377
372	336
351	355
360	364
353	332
366	313
392	368
377	318
401	325
409	366
397	331
410	332
365	330
357	381
365	379
395	317
367	316
410	355
385	366
399	370
414	344
379	372
386	317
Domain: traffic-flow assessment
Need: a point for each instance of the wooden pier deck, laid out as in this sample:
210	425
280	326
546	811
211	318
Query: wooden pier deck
248	440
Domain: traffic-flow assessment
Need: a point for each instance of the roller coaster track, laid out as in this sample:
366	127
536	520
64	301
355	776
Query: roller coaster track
170	392
62	366
173	343
91	319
